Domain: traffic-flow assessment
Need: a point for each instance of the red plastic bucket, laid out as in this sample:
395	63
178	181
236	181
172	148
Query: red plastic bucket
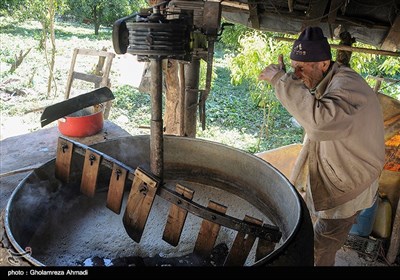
81	124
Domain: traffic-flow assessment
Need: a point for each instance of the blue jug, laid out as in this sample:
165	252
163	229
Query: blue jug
365	221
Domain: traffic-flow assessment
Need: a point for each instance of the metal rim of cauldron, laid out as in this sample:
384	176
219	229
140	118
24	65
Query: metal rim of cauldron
10	236
303	224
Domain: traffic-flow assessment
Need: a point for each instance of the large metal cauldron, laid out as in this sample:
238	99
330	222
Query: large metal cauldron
64	227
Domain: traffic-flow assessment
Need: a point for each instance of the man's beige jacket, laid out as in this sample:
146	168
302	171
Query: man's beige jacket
344	129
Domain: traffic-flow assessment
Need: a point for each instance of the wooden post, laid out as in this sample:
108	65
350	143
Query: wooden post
343	56
192	71
394	246
173	97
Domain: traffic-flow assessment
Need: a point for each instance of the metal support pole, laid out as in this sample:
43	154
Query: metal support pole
156	126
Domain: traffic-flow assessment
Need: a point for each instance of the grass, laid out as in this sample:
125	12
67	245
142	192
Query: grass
232	117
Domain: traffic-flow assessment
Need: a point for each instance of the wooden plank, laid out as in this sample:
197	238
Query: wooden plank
95	53
236	5
89	174
242	245
87	77
99	81
333	9
392	127
140	200
394	246
106	83
63	159
176	218
208	232
391	121
70	75
315	13
392	40
175	97
290	5
253	14
116	188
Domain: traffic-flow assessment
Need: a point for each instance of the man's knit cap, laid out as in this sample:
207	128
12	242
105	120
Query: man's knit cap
311	46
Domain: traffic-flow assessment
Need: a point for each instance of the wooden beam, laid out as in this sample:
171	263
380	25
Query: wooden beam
345	40
254	17
235	4
348	48
335	6
315	12
392	40
394	245
290	5
383	79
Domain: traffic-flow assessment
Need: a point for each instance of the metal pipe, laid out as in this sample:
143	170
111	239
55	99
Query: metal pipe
156	125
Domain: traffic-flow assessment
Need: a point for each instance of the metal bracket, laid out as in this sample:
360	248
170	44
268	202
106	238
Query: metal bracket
264	231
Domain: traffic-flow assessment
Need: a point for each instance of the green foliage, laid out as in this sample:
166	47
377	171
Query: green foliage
31	9
390	66
10	7
233	118
256	50
229	39
102	12
129	99
131	109
136	5
203	75
377	66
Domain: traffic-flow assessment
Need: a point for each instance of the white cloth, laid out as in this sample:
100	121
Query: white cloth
365	200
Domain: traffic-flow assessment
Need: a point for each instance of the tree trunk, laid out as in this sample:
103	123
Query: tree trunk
174	77
53	48
96	28
48	27
96	21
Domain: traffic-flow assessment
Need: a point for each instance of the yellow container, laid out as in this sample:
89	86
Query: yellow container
383	220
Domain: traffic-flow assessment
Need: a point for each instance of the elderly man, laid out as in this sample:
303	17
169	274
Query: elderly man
344	151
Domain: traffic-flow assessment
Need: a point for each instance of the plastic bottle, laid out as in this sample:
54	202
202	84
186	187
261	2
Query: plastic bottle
383	220
365	221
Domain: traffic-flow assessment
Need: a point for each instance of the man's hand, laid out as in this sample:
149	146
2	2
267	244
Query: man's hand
280	62
271	70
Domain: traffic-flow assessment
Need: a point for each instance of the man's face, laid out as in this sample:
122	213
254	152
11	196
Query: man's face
311	73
